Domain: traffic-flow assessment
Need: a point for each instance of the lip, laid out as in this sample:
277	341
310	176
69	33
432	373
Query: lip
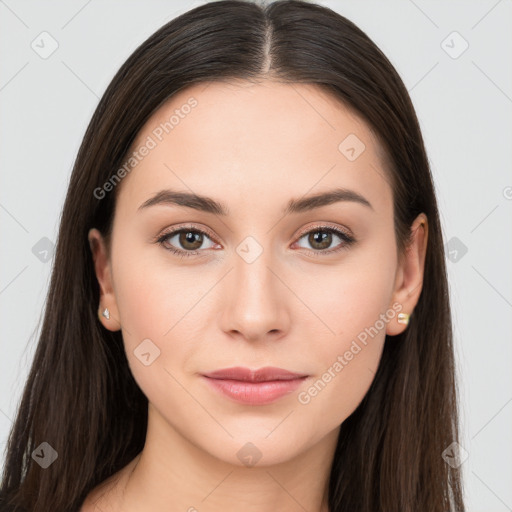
254	387
268	373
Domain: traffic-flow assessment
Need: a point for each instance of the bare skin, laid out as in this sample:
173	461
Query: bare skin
298	305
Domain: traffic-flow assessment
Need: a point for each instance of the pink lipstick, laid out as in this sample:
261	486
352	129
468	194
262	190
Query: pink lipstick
254	387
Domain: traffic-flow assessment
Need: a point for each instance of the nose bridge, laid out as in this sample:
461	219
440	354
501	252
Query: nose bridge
255	284
255	304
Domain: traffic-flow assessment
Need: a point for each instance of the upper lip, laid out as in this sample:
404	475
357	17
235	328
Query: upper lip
269	373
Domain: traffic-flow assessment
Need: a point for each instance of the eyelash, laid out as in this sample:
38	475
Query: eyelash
347	240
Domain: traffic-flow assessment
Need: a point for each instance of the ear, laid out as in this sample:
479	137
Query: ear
409	276
103	270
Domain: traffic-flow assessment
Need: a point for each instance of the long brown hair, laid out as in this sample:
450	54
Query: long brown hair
80	396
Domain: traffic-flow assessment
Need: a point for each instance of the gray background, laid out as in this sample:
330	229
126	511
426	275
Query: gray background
463	101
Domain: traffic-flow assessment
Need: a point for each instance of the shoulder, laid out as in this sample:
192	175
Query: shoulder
104	497
108	495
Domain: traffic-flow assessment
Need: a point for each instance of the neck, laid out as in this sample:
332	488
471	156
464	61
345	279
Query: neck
172	474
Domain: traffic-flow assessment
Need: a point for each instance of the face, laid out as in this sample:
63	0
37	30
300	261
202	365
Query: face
312	289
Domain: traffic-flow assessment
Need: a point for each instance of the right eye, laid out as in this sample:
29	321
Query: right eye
189	238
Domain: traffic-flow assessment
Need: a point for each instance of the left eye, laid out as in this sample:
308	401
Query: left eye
321	237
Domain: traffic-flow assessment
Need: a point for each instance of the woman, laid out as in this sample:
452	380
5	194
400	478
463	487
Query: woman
249	305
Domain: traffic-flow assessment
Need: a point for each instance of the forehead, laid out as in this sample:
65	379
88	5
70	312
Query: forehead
261	138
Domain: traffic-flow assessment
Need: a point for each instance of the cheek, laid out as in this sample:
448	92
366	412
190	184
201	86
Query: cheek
155	304
347	300
346	359
335	394
154	295
157	329
348	332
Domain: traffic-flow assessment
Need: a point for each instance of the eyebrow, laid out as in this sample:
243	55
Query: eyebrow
209	205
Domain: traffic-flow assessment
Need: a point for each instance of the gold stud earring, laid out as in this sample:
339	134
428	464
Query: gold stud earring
403	318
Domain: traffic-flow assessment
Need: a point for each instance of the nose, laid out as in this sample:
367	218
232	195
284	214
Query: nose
257	300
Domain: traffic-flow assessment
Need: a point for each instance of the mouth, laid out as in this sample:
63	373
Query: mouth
254	387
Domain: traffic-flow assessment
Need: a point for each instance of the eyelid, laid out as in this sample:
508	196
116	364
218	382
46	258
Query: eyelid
303	232
185	227
325	225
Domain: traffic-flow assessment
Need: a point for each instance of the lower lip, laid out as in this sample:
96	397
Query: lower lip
255	393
